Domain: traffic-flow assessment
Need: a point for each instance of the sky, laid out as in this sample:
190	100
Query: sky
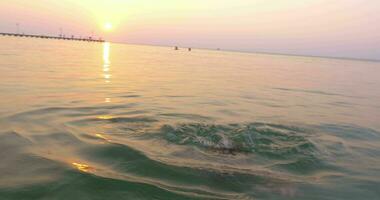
334	28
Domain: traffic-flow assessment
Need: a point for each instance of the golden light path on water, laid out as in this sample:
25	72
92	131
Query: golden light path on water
106	66
106	62
107	76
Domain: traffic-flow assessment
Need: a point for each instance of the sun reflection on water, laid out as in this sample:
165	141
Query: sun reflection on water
101	136
106	62
105	117
107	76
106	66
81	167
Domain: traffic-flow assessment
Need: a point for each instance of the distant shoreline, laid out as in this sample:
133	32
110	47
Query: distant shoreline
223	50
258	52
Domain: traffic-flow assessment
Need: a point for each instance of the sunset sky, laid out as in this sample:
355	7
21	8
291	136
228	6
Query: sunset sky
338	28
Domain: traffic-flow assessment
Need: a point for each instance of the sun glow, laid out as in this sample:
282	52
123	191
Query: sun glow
108	26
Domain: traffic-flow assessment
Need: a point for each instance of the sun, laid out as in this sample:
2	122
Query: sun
108	26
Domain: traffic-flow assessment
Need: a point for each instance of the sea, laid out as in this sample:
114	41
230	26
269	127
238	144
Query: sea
109	121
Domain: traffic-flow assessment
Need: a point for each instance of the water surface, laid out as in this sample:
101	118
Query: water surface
113	121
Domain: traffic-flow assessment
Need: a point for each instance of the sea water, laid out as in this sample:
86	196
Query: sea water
83	120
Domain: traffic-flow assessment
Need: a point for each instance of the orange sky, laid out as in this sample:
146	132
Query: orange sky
340	28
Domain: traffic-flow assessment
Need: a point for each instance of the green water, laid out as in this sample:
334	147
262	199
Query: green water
111	121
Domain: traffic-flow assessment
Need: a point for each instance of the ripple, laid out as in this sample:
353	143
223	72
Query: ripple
112	119
12	141
186	116
317	92
69	111
130	96
291	158
131	165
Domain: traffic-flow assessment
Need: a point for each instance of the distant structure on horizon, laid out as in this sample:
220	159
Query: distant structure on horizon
60	37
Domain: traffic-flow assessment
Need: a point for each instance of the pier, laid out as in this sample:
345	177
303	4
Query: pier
89	39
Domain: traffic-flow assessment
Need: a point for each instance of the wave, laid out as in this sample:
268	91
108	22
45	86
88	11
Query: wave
141	156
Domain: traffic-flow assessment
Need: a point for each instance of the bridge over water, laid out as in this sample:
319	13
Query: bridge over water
89	39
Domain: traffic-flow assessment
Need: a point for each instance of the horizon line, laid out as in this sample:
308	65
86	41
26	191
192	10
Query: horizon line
256	52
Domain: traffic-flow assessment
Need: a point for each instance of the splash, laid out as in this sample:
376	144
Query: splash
269	139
